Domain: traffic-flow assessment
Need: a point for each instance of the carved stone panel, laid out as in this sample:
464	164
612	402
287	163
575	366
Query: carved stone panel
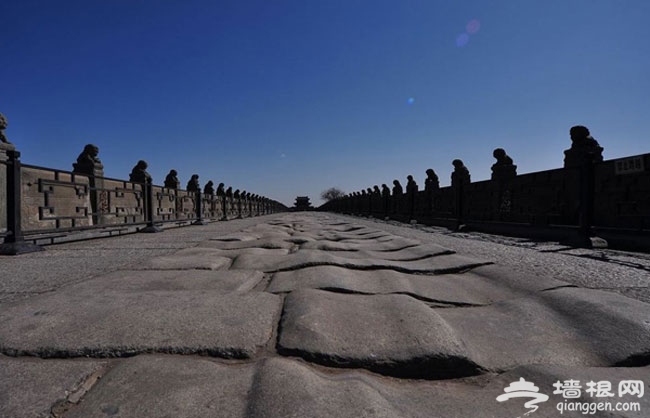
53	199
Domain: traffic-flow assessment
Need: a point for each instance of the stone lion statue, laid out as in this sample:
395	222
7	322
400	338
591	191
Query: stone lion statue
3	126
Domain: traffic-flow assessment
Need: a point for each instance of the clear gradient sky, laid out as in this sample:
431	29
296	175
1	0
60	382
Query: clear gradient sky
287	98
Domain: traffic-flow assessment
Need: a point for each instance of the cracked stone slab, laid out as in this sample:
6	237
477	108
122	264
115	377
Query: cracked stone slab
343	227
471	288
405	254
219	281
567	326
237	236
168	386
265	242
359	251
182	387
31	387
269	230
187	259
299	239
309	258
358	238
284	388
72	324
392	334
273	252
395	244
360	233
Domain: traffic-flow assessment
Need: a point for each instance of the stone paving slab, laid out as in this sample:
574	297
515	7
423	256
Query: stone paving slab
356	236
568	326
308	258
404	254
168	386
219	281
181	387
392	334
268	228
300	239
264	242
237	237
190	258
350	294
617	271
471	288
407	254
395	244
31	387
284	388
71	324
253	251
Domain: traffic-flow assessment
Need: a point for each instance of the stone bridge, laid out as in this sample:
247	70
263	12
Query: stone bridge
321	315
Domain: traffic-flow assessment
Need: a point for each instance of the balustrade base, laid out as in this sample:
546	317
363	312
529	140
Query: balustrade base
151	229
581	241
16	248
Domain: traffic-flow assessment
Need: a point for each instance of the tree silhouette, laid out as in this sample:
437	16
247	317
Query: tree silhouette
331	194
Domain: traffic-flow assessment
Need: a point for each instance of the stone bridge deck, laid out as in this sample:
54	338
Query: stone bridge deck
315	315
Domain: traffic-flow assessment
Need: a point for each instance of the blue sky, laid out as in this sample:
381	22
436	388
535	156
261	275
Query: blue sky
287	98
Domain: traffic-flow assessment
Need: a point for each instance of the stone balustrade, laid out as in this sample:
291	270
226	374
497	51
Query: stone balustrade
40	205
578	202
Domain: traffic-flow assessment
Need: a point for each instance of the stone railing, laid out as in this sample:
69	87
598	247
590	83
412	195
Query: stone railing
41	205
587	198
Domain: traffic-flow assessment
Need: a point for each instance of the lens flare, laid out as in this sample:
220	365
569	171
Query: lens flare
410	101
473	26
462	40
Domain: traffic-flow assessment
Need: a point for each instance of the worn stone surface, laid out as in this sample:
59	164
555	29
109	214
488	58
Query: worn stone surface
624	272
165	386
71	324
396	243
315	315
568	326
190	258
31	387
471	288
219	281
391	334
283	388
405	254
252	251
307	258
279	388
267	242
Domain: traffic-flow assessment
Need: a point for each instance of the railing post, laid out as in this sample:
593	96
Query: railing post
584	153
586	236
585	201
199	209
14	242
4	197
149	212
387	204
459	179
224	208
459	193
